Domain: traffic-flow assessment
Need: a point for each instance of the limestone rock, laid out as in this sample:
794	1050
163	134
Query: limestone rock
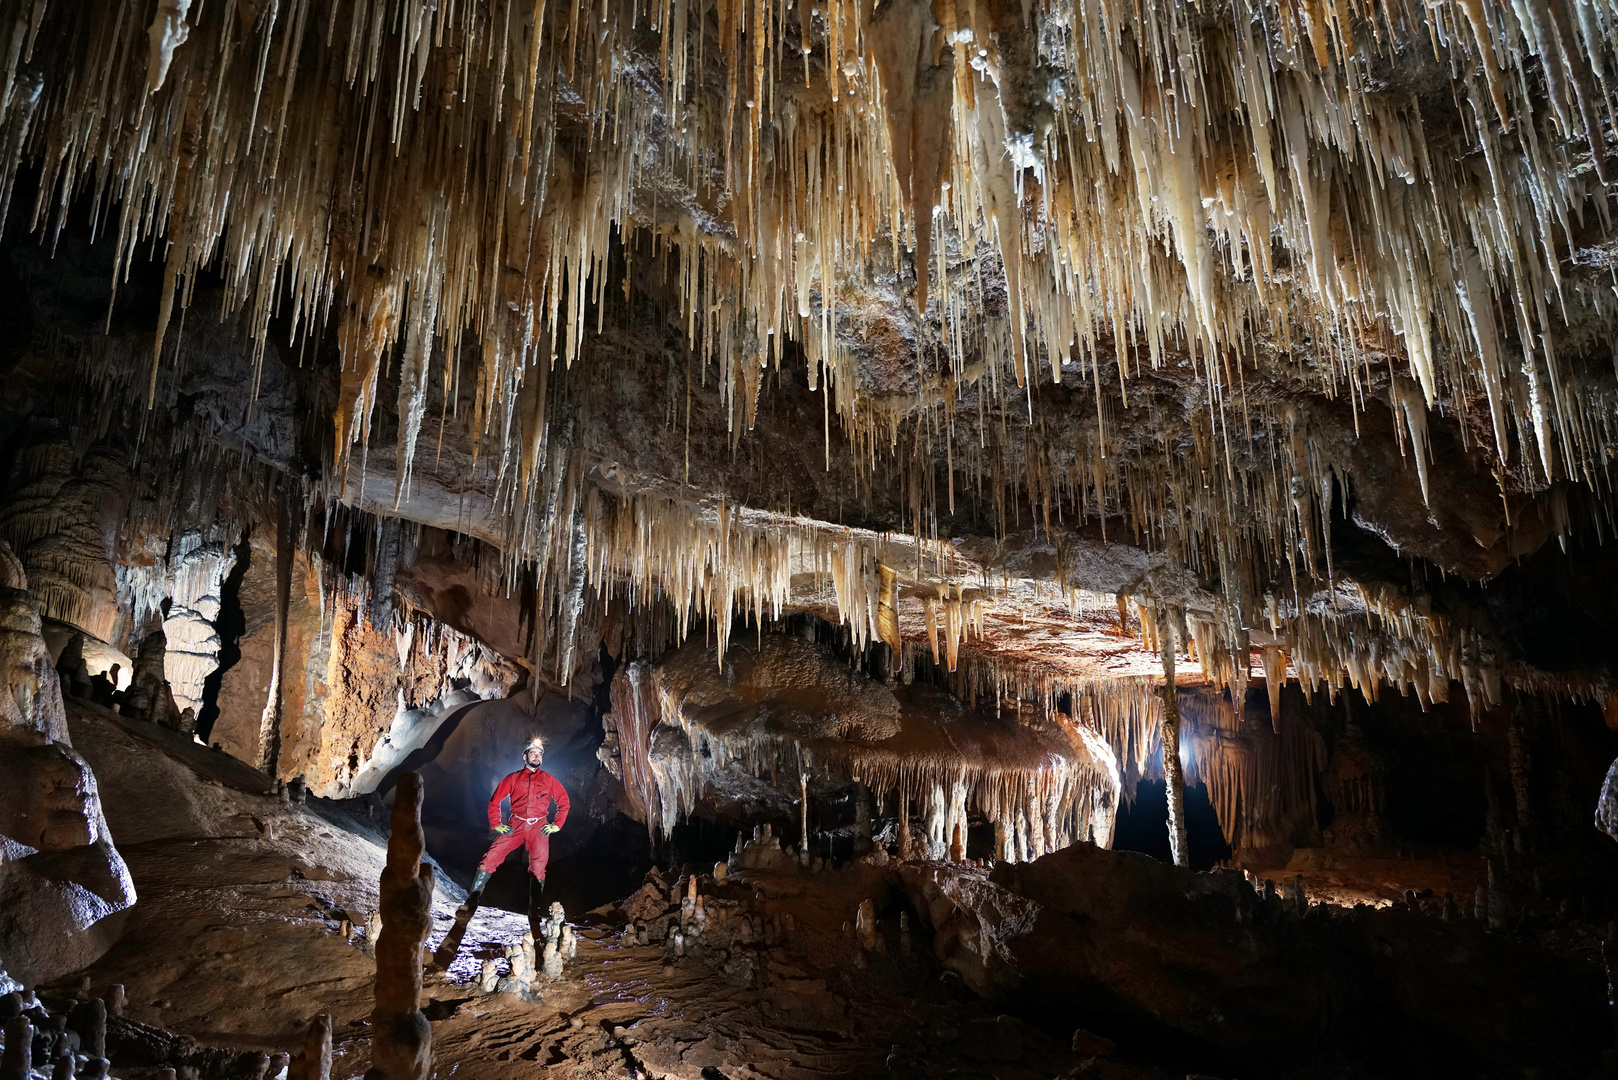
1607	804
60	874
1121	933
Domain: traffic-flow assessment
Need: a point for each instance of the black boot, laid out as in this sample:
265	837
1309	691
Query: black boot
475	894
536	913
447	950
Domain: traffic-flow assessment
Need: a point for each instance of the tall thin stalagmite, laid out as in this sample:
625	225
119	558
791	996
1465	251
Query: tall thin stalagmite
1173	780
803	809
269	737
401	1037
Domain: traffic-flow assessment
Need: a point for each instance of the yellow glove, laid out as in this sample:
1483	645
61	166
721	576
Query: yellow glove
503	830
547	828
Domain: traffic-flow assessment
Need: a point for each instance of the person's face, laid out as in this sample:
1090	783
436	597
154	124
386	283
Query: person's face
534	756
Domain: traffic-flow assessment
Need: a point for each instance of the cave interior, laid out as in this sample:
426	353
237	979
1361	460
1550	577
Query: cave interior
1053	539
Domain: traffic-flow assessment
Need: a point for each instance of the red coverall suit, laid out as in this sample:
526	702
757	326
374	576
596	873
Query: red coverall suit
533	792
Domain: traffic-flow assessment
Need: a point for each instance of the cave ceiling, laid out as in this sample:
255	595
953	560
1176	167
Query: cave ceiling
1010	334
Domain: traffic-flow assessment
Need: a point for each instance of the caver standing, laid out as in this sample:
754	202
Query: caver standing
538	808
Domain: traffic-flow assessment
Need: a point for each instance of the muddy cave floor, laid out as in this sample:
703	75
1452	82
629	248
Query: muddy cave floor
238	939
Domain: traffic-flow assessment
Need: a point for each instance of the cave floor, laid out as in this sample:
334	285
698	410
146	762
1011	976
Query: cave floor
807	1007
238	938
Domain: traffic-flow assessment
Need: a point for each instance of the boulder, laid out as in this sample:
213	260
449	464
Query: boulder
60	874
1128	945
1607	803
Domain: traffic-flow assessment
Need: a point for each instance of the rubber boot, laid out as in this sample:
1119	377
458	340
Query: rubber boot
536	913
450	947
474	895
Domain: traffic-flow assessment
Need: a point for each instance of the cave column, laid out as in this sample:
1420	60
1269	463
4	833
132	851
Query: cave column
803	810
862	819
269	728
1173	780
1519	764
200	560
904	821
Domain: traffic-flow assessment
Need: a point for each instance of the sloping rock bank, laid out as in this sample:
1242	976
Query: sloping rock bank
60	876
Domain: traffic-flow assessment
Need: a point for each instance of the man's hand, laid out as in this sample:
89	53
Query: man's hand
503	830
548	828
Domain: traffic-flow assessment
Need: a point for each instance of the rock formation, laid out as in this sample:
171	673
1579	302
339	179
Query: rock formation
401	1037
313	1062
785	704
60	874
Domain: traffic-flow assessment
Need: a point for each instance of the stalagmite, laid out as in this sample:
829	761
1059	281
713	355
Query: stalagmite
201	560
89	1019
401	1039
803	811
1173	781
1295	896
17	1061
523	965
552	961
550	927
313	1061
1496	909
149	695
1607	802
865	924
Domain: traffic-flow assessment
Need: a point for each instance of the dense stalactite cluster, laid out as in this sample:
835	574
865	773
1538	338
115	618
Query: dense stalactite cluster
939	213
785	707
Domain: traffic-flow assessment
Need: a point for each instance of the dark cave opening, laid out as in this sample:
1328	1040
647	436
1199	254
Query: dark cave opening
1143	825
